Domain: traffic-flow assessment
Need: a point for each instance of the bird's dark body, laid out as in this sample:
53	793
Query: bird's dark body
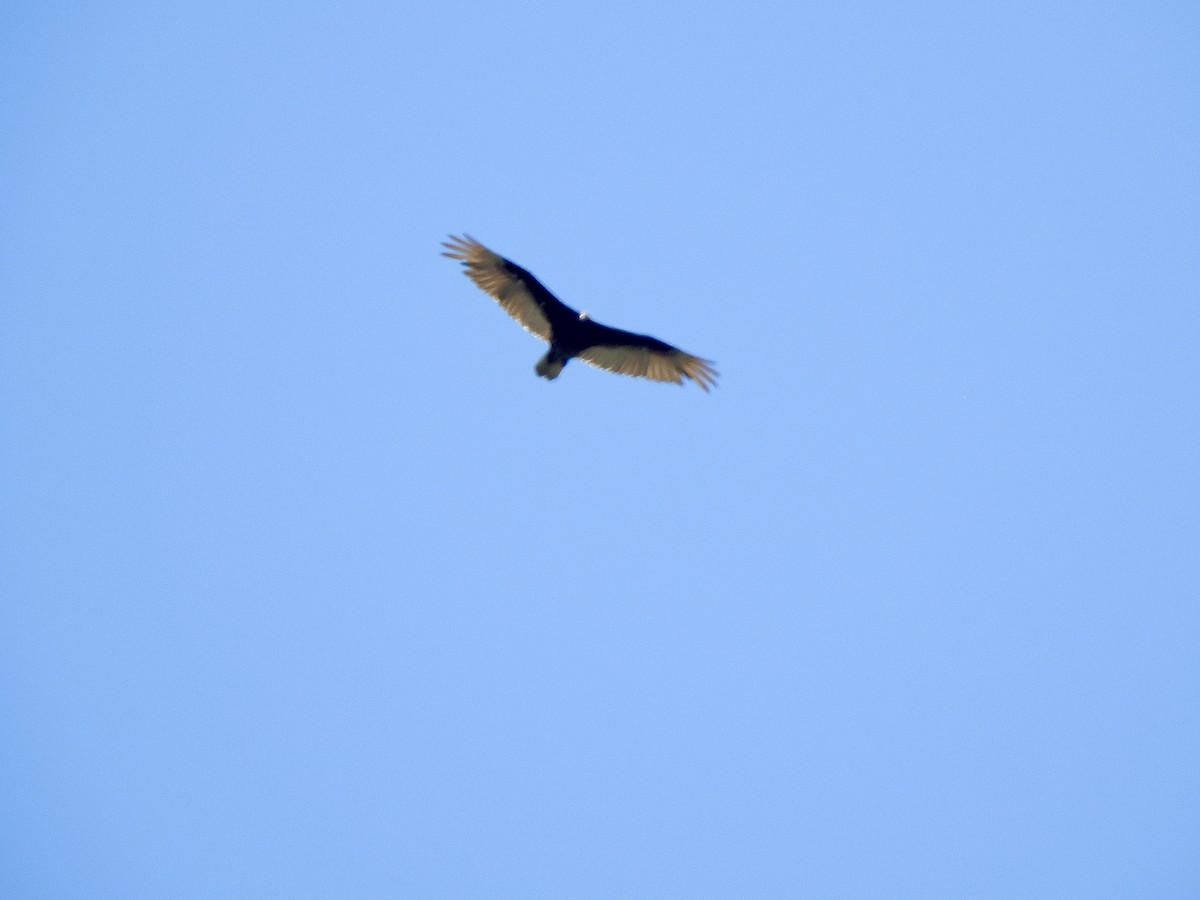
572	332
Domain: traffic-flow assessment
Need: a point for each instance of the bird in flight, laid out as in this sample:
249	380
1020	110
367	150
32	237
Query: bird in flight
570	333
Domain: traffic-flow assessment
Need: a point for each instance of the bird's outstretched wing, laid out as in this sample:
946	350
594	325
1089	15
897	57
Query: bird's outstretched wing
642	356
520	294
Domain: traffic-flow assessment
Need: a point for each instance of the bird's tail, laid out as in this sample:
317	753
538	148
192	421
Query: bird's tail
550	365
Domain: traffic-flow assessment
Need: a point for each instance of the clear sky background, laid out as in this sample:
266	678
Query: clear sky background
312	588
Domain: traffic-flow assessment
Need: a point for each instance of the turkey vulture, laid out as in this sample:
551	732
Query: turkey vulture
571	333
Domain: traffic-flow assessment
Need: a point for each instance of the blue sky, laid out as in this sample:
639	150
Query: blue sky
312	588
